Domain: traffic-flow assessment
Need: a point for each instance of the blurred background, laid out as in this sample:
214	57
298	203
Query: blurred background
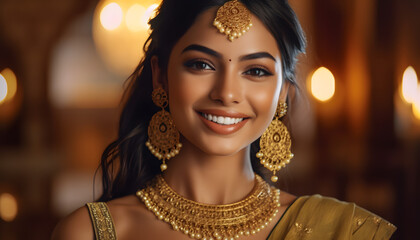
355	126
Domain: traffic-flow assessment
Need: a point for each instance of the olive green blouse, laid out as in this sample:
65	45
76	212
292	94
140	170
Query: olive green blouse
308	218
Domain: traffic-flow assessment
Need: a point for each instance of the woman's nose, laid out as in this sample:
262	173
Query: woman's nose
227	88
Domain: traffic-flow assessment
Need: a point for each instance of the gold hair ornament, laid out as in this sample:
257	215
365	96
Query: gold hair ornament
206	221
163	139
275	144
233	19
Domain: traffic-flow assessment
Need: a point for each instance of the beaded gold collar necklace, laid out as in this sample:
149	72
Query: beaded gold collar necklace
211	222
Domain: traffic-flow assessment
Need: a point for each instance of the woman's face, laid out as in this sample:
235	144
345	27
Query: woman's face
222	94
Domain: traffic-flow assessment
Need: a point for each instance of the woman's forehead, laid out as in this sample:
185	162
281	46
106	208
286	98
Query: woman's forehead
202	32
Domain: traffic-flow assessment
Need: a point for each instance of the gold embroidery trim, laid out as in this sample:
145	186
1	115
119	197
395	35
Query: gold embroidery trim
303	229
102	221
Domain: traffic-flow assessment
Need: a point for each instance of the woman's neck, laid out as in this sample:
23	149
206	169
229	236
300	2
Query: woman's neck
208	178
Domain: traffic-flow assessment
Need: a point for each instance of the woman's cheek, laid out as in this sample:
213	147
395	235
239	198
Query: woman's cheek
185	89
263	99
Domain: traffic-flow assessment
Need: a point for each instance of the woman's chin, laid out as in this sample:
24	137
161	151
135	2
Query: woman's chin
222	150
217	146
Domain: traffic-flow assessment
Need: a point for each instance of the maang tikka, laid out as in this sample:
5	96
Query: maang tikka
233	19
275	144
163	140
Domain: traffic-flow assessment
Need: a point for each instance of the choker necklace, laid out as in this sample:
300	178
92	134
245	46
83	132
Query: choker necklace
211	222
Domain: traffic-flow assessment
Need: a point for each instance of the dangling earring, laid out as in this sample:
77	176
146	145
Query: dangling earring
163	139
275	144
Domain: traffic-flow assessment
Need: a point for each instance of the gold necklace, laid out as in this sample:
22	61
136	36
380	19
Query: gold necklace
211	222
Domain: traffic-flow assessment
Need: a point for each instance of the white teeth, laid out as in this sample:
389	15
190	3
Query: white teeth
222	120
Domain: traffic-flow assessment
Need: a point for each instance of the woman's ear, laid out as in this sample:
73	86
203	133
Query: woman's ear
284	91
158	77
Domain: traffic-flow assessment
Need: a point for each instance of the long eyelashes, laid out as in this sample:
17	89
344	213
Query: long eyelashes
204	65
258	72
198	65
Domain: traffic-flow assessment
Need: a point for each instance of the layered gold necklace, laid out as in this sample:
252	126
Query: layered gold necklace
211	222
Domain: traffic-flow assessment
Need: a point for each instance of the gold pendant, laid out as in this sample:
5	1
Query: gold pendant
233	19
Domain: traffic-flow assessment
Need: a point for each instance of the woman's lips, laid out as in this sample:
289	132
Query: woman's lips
223	122
223	113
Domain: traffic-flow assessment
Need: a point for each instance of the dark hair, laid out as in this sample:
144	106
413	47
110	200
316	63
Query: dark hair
127	165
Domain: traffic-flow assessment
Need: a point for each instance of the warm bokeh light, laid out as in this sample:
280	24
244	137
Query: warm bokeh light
122	48
111	16
322	84
134	19
150	12
3	89
416	104
409	85
8	207
11	81
416	110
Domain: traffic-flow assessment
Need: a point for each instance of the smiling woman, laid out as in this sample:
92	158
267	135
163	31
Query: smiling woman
214	81
201	80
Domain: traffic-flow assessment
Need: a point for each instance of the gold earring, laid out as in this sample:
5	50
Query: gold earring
163	139
275	144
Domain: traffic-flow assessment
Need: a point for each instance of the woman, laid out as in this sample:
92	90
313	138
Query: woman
188	159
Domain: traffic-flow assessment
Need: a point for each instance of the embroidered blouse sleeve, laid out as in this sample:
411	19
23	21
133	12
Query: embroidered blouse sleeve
367	225
102	222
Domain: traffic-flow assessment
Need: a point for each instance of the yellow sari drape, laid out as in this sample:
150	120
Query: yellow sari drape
317	217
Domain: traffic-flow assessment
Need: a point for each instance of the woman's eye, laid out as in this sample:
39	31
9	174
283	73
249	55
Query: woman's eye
198	65
258	72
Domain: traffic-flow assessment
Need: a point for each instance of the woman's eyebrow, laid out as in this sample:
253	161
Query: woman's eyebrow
200	48
257	55
203	49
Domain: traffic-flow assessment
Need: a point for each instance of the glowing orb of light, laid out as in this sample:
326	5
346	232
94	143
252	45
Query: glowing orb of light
120	29
409	84
134	19
111	16
150	13
416	104
323	84
8	207
3	88
11	82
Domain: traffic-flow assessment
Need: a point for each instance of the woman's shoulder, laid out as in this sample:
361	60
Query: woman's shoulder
77	225
318	214
119	214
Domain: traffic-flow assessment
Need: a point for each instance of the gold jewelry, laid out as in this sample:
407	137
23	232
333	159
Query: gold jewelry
205	221
163	139
233	19
275	144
